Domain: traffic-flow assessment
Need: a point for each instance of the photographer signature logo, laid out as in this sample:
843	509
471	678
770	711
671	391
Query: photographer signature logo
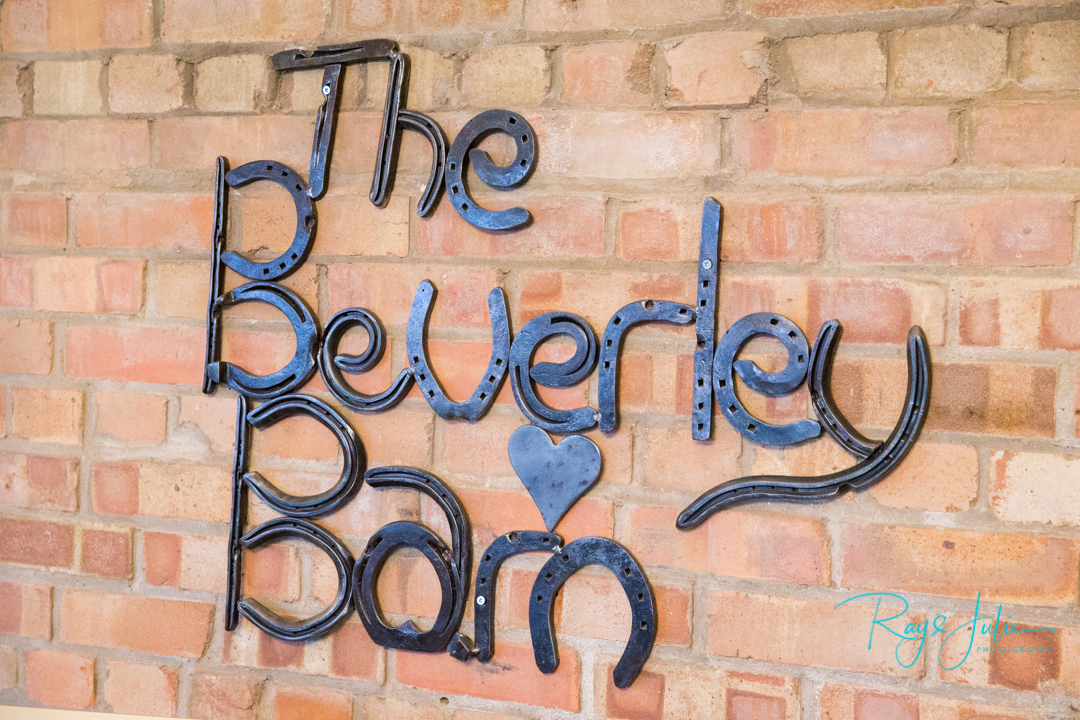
992	629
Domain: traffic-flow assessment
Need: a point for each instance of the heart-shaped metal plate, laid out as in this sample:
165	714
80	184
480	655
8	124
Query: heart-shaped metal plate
555	475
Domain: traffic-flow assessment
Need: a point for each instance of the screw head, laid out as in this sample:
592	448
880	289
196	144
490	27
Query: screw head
707	264
325	89
480	600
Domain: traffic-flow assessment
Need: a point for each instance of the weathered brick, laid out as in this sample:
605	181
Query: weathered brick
295	703
26	610
1019	569
161	489
804	632
11	95
75	147
952	60
37	542
60	678
68	88
553	15
519	680
354	655
751	545
721	68
48	415
609	74
1026	135
1050	56
170	356
938	478
88	285
998	399
139	220
842	142
33	219
846	63
181	143
419	16
130	417
133	622
229	697
506	76
386	229
189	21
877	310
1035	487
844	702
232	83
16	282
135	688
1015	231
34	481
28	347
9	667
106	553
145	84
33	25
645	146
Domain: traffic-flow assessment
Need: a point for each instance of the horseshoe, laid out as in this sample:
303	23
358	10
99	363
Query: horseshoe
296	372
819	382
617	327
452	565
503	547
294	630
576	555
421	123
879	463
766	383
289	260
332	364
500	178
353	451
485	392
712	217
563	374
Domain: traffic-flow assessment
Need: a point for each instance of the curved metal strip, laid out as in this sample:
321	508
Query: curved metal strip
564	374
503	547
332	365
787	380
365	575
388	140
616	558
353	451
289	260
294	630
344	54
712	216
237	518
484	394
421	123
497	177
818	380
323	144
882	461
217	277
305	326
620	323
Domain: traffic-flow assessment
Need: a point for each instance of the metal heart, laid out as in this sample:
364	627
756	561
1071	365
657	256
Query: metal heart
555	475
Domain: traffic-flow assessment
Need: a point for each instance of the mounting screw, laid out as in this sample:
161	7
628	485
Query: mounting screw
325	89
480	600
707	264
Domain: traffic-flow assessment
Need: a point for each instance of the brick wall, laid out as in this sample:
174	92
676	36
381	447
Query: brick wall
883	162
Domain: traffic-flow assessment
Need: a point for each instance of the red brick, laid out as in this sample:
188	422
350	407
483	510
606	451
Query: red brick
651	539
130	417
938	478
36	542
33	219
181	142
553	15
138	220
644	700
229	697
187	21
16	282
60	679
87	285
997	399
36	481
47	415
11	95
805	632
115	488
162	558
162	489
1059	329
28	346
518	679
9	667
1009	568
844	702
417	16
510	75
1020	231
386	228
785	8
1050	58
31	25
354	655
26	610
1027	136
390	708
145	84
139	689
75	147
719	68
609	74
600	609
106	553
674	462
877	310
950	60
751	545
1034	487
751	706
294	703
841	142
132	622
155	355
849	64
568	227
276	653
